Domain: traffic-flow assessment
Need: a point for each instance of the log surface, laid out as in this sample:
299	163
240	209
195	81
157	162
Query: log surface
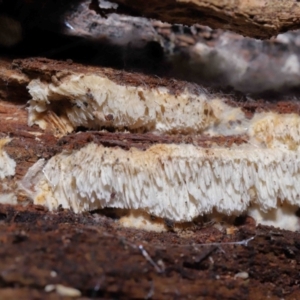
91	254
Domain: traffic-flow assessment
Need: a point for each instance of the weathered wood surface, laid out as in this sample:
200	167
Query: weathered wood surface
258	19
255	18
93	255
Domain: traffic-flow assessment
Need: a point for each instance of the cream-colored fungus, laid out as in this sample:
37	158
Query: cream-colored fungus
177	182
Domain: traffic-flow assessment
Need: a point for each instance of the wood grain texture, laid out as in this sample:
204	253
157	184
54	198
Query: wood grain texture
259	19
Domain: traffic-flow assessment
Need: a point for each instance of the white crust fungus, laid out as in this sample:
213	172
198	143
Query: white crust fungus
7	168
7	164
284	216
178	182
8	198
95	101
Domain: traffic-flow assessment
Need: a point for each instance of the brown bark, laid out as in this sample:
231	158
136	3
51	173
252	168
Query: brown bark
15	76
259	19
94	256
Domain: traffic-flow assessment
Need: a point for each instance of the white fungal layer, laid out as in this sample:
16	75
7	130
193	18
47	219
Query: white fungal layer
7	164
138	219
8	198
284	216
178	182
96	101
276	131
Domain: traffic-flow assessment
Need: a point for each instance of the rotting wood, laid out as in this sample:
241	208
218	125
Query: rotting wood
259	19
28	144
65	247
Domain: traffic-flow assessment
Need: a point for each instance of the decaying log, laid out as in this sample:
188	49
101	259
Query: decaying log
84	137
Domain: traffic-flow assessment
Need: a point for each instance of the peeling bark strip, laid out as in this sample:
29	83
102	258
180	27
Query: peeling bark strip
255	18
189	151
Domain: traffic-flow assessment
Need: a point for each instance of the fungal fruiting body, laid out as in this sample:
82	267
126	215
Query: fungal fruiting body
177	181
7	164
7	169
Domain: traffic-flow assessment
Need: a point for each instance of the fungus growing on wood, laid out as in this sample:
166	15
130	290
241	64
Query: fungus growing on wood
95	101
7	169
7	164
178	182
172	180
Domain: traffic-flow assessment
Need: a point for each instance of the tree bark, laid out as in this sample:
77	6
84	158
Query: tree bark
258	19
253	18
